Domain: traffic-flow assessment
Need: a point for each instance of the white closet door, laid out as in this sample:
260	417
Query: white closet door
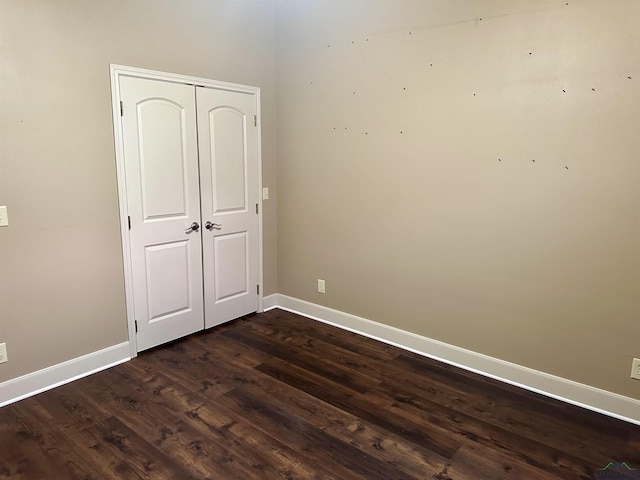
228	146
162	185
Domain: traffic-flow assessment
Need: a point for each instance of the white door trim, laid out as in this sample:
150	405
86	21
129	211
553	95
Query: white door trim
121	70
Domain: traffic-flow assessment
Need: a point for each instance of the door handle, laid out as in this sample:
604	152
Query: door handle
210	226
193	228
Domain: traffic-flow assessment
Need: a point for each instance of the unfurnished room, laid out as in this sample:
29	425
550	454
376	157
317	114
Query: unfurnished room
320	239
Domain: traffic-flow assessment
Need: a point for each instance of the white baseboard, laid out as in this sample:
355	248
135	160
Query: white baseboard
602	401
56	375
269	302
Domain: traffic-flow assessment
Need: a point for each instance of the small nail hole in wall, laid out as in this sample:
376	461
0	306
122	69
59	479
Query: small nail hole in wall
564	91
499	159
593	89
533	161
566	167
629	77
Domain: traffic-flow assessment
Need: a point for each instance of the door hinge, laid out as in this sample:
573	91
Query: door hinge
129	221
256	208
121	109
136	324
255	120
258	289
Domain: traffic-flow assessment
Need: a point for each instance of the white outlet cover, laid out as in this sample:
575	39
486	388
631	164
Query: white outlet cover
635	369
4	218
3	353
265	193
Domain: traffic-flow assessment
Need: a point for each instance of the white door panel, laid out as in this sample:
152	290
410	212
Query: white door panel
163	164
228	151
163	196
228	159
230	262
168	286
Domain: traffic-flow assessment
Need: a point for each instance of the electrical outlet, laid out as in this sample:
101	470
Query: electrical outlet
635	368
3	353
265	193
4	218
321	286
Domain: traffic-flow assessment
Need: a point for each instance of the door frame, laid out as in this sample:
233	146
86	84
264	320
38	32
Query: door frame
116	71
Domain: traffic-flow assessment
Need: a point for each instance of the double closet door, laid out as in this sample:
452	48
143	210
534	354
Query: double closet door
191	172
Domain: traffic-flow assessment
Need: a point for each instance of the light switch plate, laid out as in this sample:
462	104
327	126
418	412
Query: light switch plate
4	219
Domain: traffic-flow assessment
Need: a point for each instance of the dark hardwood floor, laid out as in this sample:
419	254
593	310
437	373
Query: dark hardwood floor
278	396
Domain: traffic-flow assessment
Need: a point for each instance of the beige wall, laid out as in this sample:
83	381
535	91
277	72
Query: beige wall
407	134
61	278
393	194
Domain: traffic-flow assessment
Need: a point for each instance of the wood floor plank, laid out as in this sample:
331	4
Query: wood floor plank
520	447
112	438
473	385
343	425
217	424
48	453
292	465
268	456
348	341
348	461
220	423
260	387
369	366
371	440
407	426
70	407
319	364
172	431
279	396
481	463
234	352
501	406
498	414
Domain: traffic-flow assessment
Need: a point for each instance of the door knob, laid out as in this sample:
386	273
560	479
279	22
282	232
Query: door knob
193	228
210	226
